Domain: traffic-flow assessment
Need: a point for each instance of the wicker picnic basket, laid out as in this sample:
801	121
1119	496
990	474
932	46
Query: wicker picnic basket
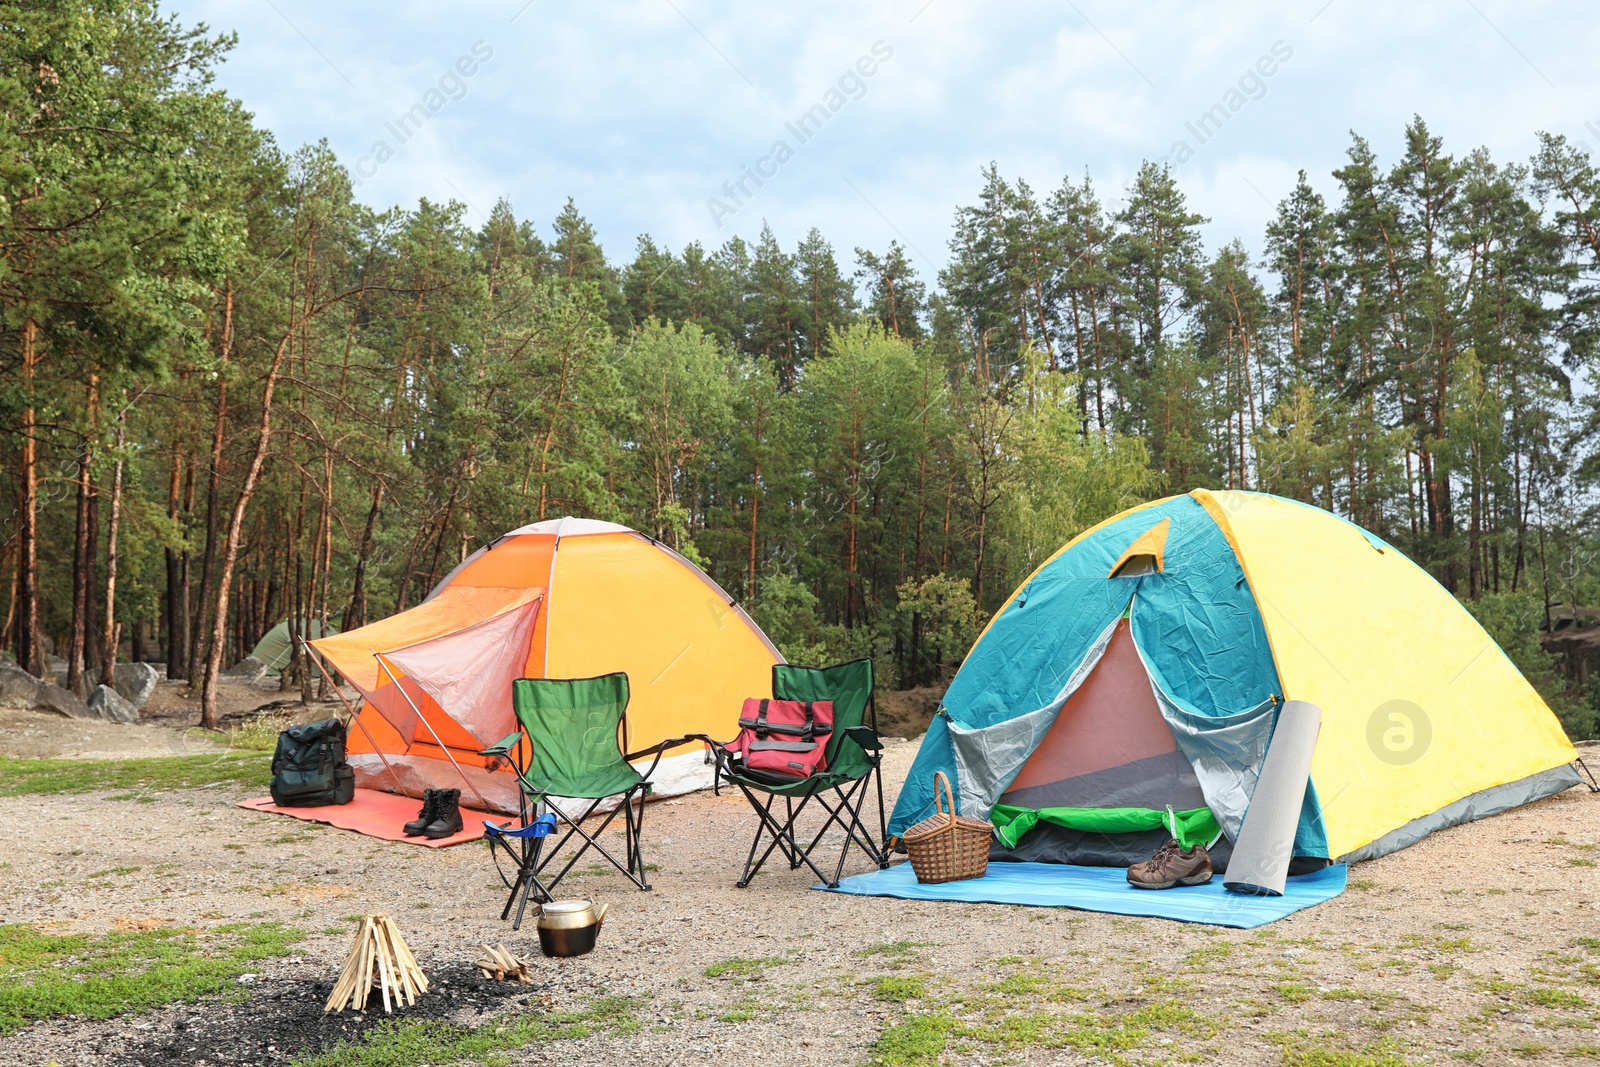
946	847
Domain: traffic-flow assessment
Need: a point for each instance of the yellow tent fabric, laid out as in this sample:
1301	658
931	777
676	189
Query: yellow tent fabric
1145	554
1420	707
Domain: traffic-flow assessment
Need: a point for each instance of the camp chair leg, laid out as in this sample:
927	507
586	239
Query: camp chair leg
794	860
847	799
765	824
636	844
526	883
883	820
781	835
631	842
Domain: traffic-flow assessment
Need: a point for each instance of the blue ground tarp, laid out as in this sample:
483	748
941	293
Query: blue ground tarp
1105	889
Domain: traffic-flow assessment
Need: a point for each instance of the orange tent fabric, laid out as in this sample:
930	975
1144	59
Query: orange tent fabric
565	598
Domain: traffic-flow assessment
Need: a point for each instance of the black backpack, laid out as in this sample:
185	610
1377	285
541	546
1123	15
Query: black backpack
308	769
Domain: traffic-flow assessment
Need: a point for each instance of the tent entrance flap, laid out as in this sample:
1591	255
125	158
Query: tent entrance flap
468	672
1110	747
987	758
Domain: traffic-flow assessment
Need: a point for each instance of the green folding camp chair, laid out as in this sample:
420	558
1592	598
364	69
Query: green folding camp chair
573	731
842	790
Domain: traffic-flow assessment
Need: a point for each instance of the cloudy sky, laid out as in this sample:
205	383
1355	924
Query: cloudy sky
642	111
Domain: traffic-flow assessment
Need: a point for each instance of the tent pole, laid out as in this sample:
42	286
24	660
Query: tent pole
424	720
355	716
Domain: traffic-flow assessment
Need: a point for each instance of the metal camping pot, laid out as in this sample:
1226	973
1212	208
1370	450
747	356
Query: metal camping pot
570	927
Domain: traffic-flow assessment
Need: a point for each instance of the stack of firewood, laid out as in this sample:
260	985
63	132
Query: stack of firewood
505	967
380	956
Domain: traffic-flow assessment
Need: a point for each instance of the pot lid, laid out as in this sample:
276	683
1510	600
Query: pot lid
567	907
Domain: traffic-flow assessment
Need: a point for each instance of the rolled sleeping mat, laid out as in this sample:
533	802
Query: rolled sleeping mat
1260	861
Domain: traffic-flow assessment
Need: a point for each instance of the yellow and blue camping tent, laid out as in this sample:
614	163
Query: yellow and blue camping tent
1140	669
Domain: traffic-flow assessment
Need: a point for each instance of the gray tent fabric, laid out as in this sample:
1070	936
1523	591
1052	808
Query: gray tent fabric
1226	753
1155	782
989	757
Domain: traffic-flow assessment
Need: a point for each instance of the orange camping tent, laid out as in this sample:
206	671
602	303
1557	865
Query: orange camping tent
564	598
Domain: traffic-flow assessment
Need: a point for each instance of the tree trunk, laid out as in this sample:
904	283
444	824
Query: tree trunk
213	478
355	614
176	617
230	547
30	649
83	548
113	630
209	718
755	498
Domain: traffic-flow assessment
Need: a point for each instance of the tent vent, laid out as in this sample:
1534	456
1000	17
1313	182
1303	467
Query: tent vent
1145	554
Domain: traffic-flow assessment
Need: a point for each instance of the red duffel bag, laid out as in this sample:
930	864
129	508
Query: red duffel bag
782	738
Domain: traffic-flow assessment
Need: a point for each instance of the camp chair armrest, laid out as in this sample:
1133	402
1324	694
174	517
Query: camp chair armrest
505	746
658	748
866	737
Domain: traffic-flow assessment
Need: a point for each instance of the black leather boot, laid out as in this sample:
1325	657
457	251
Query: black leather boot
429	812
446	815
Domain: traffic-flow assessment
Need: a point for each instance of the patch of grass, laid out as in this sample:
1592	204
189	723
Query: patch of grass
744	1009
752	965
402	1043
1295	992
1023	983
259	734
1165	984
44	976
899	988
1363	884
1330	1051
1212	953
1580	863
1496	985
893	948
1555	998
115	872
27	777
917	1042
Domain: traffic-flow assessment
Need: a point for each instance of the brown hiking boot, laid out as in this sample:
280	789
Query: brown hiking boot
1172	866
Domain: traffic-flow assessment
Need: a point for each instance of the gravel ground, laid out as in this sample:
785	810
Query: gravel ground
1470	945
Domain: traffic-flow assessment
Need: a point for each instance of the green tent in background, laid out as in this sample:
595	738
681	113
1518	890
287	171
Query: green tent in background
274	649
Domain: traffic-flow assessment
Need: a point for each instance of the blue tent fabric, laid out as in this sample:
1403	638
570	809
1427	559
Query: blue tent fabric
1021	663
1105	889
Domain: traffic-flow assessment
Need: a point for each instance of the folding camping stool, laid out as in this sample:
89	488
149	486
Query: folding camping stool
569	746
853	757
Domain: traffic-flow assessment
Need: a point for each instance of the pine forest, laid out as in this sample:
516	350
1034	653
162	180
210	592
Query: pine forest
235	395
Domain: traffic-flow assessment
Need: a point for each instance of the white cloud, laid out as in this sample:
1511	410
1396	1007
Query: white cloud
628	108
